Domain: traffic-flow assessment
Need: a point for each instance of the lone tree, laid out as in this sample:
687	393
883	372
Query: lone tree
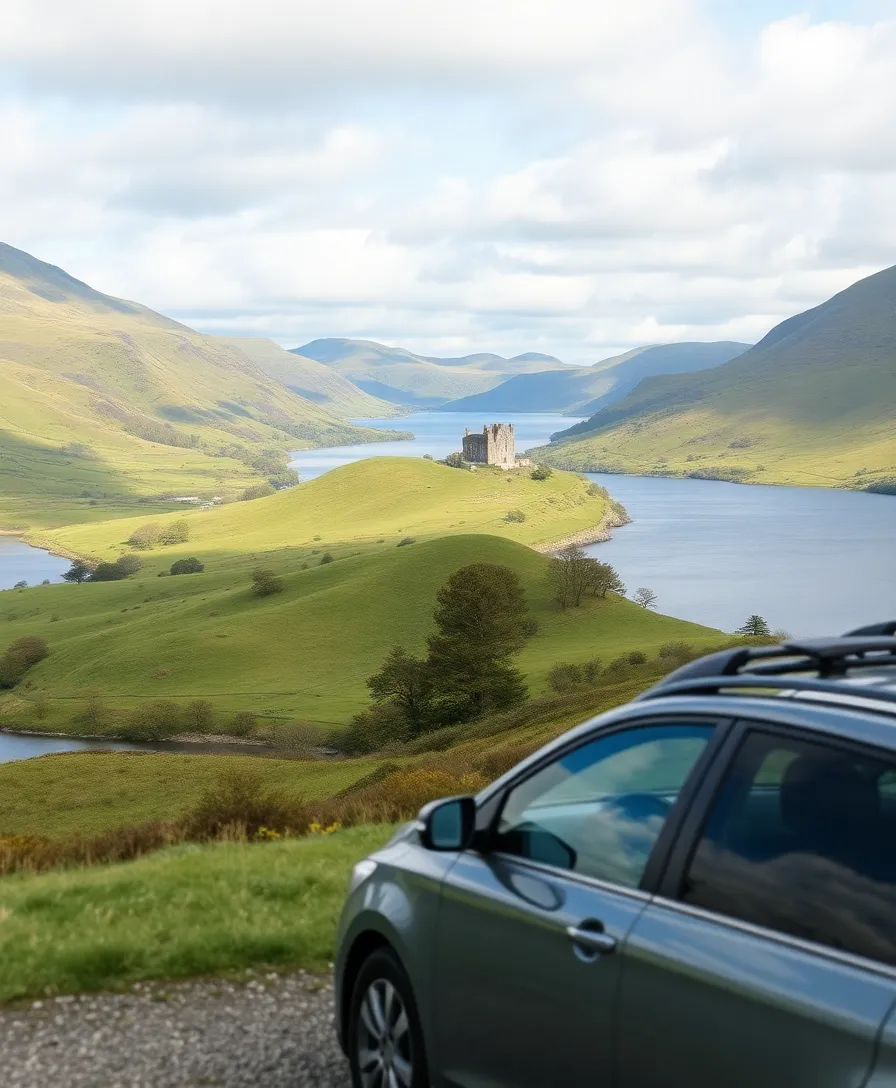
404	682
482	620
78	572
191	565
645	597
265	582
755	626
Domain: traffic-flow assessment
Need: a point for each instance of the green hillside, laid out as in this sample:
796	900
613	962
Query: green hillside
418	381
811	403
584	390
104	400
322	385
304	653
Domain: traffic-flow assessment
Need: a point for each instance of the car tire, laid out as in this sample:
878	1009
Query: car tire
385	1039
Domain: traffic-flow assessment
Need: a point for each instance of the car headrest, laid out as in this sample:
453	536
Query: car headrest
825	800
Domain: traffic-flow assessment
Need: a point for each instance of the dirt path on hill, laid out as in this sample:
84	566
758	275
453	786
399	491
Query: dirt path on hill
269	1032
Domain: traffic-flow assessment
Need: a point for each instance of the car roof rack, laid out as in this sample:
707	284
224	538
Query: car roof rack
778	667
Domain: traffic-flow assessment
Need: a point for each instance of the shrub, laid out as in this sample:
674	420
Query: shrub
241	724
265	583
78	572
187	566
678	652
427	456
155	720
405	541
178	532
326	558
636	657
565	677
238	800
541	472
21	585
591	670
257	491
20	656
200	716
107	572
146	536
130	564
515	515
455	460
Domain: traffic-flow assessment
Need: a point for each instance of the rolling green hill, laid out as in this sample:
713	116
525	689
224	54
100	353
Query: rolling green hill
418	381
584	390
304	653
812	403
308	650
105	400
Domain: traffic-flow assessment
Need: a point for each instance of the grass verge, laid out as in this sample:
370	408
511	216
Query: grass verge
185	911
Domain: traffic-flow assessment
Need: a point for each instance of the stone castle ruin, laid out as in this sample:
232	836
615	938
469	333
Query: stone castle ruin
495	446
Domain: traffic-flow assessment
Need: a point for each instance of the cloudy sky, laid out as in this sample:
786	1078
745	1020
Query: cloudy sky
569	176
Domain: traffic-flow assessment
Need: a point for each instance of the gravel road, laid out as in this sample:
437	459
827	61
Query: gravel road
270	1031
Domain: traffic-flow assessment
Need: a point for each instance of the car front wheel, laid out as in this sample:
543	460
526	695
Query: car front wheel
385	1040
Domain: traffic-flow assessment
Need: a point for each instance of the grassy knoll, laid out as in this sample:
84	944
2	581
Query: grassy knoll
303	653
92	792
186	911
384	498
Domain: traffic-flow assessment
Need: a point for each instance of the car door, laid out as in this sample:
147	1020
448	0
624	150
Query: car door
770	956
526	956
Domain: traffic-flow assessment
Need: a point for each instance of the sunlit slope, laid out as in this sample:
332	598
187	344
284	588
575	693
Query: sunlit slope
104	395
381	497
307	651
420	381
322	385
813	402
584	390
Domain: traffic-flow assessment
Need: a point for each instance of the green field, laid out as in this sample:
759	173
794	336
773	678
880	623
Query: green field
306	653
86	793
185	911
811	404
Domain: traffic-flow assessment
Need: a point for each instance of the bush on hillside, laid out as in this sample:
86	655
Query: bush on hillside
679	652
565	676
238	799
407	540
281	480
20	656
199	716
107	572
265	583
130	564
155	720
541	472
187	566
178	532
326	558
145	536
78	572
257	491
455	460
241	724
515	515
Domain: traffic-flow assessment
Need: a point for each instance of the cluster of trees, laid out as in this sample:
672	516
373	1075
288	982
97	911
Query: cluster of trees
20	656
572	575
123	567
481	621
149	535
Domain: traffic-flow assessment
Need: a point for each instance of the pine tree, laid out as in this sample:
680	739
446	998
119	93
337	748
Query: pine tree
755	626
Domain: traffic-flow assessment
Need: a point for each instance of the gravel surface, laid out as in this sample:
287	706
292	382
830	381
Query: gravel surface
271	1031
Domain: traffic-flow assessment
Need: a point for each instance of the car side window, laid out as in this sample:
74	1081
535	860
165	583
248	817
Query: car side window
598	809
801	838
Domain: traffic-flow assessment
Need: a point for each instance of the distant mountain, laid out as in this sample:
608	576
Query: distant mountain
314	381
420	381
813	402
104	399
584	390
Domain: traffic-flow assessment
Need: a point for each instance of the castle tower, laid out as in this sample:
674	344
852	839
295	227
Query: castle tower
495	446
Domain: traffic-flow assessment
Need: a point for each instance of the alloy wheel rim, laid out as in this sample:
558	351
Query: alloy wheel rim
384	1038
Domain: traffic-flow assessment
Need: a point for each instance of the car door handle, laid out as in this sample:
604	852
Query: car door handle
592	939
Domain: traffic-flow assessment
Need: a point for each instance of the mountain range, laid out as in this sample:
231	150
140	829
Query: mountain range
421	381
584	390
813	402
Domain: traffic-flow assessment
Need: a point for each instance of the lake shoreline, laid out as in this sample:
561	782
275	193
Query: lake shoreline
599	534
180	738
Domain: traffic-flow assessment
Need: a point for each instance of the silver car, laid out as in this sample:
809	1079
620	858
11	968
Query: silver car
696	889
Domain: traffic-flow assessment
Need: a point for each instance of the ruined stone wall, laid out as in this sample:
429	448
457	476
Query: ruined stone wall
475	448
495	446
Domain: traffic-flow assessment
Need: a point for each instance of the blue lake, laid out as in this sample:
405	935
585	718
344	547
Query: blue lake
19	562
812	561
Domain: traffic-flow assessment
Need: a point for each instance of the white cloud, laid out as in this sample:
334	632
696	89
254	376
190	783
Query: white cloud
556	175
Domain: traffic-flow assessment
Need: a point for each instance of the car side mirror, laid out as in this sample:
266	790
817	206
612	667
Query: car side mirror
448	824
